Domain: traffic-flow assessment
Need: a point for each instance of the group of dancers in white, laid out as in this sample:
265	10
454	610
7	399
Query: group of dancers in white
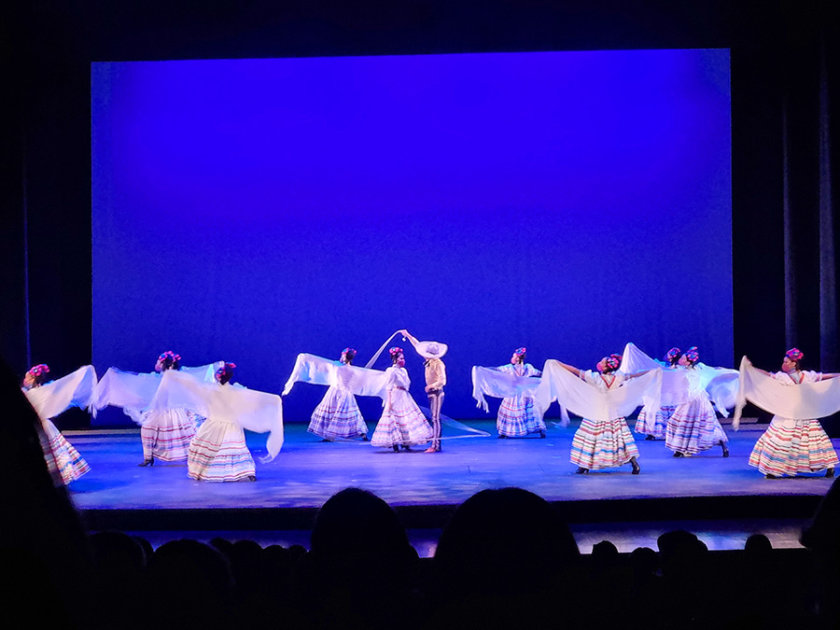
197	414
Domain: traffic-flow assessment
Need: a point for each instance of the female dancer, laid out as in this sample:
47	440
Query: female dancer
789	447
653	424
218	451
166	433
694	426
402	423
51	398
517	415
604	443
338	415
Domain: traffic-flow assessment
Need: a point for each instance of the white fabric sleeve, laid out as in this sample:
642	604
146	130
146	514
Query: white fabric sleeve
74	390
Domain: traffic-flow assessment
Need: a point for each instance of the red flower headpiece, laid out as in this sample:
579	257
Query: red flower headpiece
795	354
168	360
227	368
673	354
692	355
38	370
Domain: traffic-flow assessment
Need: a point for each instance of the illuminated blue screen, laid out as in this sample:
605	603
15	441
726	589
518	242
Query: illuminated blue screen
253	209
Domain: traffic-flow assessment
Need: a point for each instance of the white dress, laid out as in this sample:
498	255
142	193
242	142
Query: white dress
49	400
164	433
790	447
402	423
218	452
604	443
518	415
338	415
694	426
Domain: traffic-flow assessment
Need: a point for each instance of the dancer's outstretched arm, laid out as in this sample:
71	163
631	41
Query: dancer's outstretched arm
571	368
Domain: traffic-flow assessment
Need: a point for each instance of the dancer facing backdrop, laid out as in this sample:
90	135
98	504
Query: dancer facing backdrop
52	398
166	433
694	426
218	452
337	415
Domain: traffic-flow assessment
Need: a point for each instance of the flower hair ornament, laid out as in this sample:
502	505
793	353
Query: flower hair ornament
168	360
692	355
395	351
613	361
520	352
227	368
39	370
795	354
351	352
673	354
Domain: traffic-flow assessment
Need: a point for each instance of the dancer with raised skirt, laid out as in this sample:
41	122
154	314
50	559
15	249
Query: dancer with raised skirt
49	399
166	433
218	452
694	426
792	446
518	415
604	442
337	416
402	423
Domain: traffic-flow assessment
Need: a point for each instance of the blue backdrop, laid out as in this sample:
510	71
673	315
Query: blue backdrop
249	210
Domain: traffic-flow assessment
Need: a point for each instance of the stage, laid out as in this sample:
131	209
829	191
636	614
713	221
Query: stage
708	491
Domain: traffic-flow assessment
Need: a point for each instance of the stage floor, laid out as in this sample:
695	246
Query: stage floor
308	471
722	496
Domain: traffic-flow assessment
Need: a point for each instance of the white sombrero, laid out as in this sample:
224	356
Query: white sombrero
431	349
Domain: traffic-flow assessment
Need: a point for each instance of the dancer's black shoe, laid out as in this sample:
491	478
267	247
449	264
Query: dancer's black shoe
396	448
252	477
365	438
725	448
649	437
636	468
582	471
678	454
502	437
769	476
148	462
542	434
829	472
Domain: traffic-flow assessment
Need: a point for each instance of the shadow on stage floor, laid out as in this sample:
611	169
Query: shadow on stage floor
425	488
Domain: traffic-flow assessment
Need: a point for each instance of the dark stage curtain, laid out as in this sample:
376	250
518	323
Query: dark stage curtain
810	167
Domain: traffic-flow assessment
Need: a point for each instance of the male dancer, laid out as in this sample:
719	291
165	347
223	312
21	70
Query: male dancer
432	352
